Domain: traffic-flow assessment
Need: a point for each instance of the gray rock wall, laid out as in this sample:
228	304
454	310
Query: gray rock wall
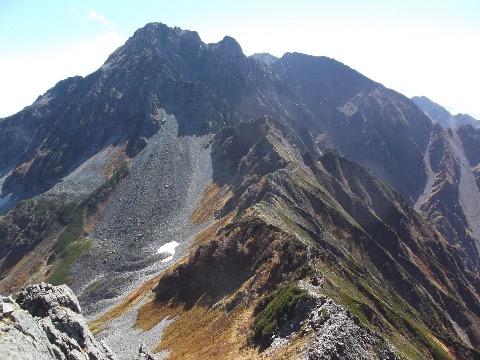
44	322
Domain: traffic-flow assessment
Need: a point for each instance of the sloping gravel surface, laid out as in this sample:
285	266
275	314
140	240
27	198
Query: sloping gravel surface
86	178
152	207
125	340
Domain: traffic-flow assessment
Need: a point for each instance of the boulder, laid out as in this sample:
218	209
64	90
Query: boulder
45	322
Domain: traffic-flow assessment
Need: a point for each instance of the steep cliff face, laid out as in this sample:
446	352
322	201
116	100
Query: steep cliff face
72	123
470	138
122	102
45	322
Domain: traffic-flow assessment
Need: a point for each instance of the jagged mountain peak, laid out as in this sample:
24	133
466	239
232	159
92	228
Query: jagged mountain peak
154	33
265	58
229	48
161	41
156	40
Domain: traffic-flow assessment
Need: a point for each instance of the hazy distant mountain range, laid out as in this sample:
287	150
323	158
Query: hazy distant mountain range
440	115
213	205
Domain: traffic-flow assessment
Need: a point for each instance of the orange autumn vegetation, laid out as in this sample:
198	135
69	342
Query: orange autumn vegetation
213	199
200	332
208	234
208	332
130	301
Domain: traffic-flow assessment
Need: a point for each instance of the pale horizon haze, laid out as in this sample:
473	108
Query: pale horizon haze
427	48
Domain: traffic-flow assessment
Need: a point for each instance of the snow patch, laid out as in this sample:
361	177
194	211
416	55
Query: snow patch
2	180
168	258
107	66
5	200
44	100
168	248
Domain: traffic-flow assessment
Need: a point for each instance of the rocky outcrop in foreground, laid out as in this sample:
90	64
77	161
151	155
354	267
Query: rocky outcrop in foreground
330	331
340	335
45	322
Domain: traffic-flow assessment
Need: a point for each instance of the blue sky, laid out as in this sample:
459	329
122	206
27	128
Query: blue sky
415	47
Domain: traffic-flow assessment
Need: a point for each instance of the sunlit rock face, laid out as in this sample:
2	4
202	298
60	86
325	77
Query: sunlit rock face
45	322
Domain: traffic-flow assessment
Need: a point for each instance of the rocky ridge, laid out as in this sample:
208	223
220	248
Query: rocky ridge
45	322
207	87
330	332
338	334
296	216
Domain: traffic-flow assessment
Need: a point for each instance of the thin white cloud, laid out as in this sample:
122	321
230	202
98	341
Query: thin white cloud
94	16
73	10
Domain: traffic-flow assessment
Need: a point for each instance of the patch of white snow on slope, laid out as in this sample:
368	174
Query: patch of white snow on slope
168	248
6	199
